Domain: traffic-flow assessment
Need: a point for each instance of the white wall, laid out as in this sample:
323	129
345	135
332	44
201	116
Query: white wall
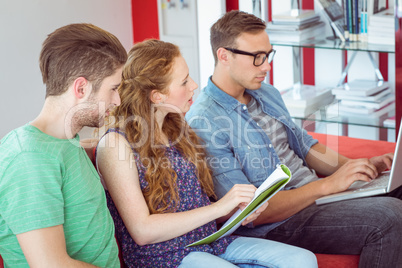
24	25
206	18
178	25
192	36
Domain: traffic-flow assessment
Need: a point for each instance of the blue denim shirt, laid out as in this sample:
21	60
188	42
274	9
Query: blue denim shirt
240	152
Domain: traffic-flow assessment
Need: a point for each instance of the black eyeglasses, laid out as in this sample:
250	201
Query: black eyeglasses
259	58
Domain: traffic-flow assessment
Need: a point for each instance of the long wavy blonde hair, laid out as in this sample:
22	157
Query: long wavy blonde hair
149	67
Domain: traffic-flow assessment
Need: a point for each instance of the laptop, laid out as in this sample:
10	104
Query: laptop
385	183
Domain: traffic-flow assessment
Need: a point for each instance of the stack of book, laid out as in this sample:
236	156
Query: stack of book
295	26
390	122
304	100
381	28
363	97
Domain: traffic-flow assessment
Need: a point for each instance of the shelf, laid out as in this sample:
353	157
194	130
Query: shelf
338	45
357	120
320	118
321	115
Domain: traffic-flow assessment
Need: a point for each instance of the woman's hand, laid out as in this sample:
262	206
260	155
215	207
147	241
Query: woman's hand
238	198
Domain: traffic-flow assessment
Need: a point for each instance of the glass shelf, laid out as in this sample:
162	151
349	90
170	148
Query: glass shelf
337	44
350	119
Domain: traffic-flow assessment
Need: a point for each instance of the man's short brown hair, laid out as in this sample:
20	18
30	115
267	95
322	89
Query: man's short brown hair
79	50
225	31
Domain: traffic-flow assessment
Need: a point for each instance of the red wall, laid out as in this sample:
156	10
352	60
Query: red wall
145	19
232	5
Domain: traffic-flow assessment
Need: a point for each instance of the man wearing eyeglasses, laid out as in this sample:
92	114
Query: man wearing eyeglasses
248	132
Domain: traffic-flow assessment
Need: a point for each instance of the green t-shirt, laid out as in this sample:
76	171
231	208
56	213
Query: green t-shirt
44	182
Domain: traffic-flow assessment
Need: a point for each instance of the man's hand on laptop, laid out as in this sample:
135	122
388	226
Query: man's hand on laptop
353	170
382	162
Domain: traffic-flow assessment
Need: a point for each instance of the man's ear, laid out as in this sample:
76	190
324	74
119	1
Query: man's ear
223	55
157	97
81	87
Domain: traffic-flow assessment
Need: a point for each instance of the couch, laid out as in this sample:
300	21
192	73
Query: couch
352	148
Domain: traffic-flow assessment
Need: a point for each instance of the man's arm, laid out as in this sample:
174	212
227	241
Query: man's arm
324	160
341	172
46	247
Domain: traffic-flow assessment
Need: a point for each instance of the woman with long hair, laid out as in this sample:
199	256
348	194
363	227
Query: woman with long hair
158	184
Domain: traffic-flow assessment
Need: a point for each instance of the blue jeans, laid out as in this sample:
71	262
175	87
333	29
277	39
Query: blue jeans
371	227
253	252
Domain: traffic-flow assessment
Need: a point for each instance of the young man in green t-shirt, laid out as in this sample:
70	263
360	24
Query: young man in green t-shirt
53	210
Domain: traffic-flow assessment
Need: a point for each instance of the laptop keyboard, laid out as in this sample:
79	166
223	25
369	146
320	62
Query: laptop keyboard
380	182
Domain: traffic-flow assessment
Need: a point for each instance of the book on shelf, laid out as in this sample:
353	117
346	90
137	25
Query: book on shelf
345	18
295	16
389	122
354	34
360	87
385	17
295	25
370	104
363	21
289	27
378	30
304	100
339	109
374	97
275	182
335	15
318	29
356	20
305	95
350	18
303	112
375	6
381	40
381	28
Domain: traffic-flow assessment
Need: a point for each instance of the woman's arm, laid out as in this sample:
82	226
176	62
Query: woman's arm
118	168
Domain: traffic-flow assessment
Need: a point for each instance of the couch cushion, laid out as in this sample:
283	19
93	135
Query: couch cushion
337	261
353	147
